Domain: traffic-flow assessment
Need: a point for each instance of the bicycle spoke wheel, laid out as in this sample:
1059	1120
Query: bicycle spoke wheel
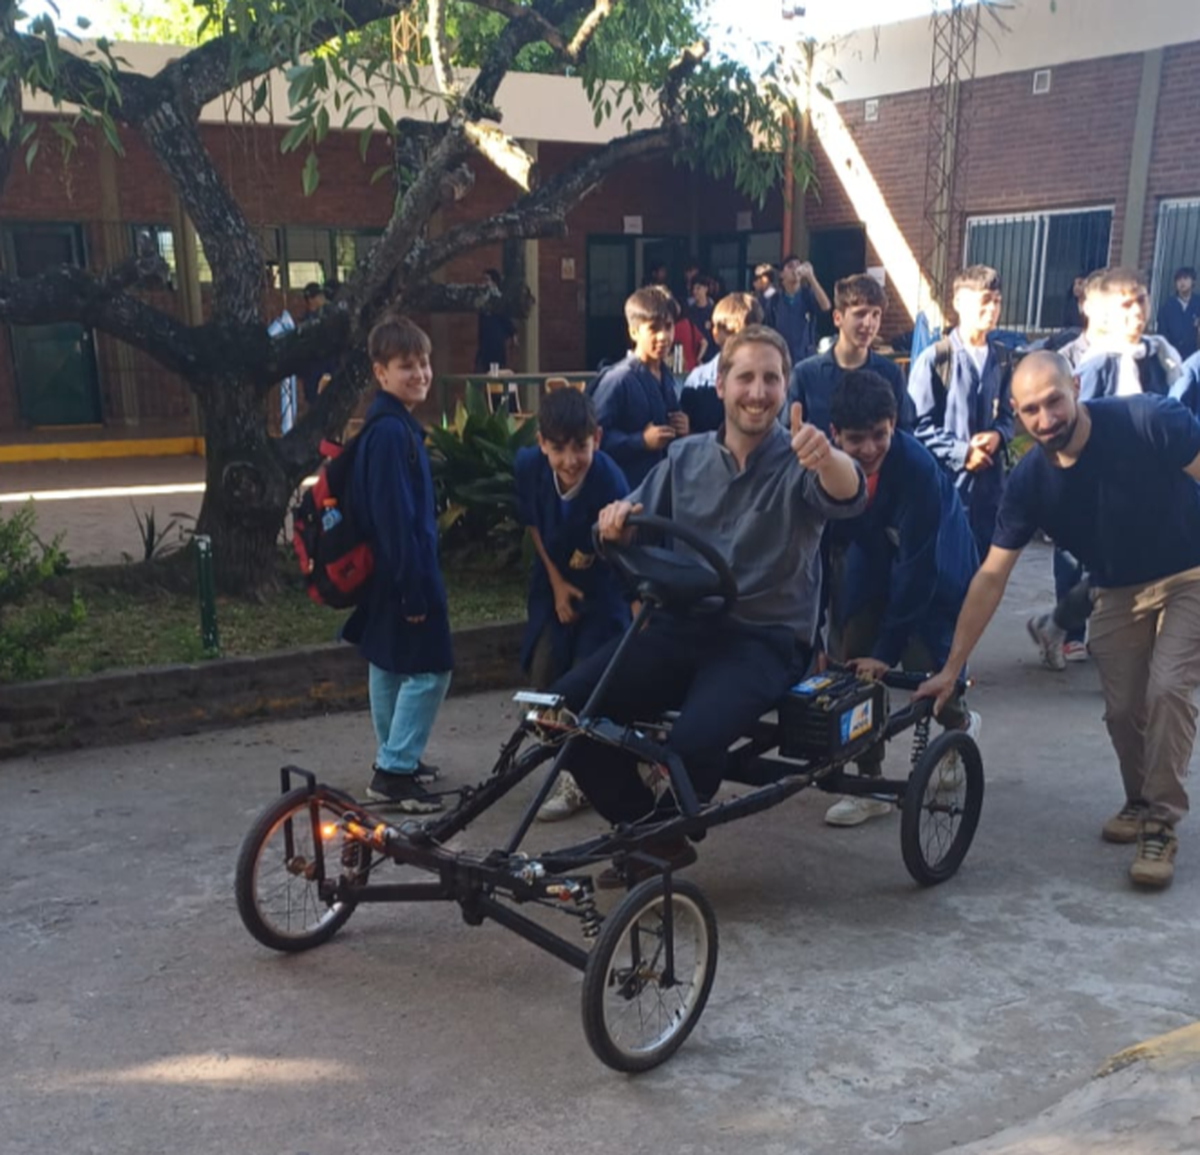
292	848
942	804
637	1010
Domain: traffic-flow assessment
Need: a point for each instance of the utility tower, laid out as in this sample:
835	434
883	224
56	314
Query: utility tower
952	68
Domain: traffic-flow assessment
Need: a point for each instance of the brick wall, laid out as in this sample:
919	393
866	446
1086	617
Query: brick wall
1069	148
1175	154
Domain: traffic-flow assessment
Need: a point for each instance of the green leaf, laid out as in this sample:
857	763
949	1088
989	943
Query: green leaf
380	173
385	119
364	142
30	153
111	135
8	114
294	137
260	96
311	176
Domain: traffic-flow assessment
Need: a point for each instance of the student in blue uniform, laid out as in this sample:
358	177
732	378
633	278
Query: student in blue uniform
636	401
401	627
1187	387
960	390
1121	359
704	408
858	305
575	604
792	311
898	572
1179	316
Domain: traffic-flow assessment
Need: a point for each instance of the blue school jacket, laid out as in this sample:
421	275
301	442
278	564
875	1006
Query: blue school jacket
1187	388
1157	366
628	398
911	550
813	380
565	528
705	410
954	401
1177	323
392	501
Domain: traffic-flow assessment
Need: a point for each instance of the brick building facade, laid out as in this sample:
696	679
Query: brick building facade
1039	166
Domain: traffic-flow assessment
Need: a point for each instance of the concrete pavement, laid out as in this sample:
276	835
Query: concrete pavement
99	527
852	1011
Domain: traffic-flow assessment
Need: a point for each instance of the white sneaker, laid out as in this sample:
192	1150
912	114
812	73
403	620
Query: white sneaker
567	799
1049	640
949	774
855	811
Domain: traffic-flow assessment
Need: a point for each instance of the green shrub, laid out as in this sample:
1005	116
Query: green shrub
26	563
472	463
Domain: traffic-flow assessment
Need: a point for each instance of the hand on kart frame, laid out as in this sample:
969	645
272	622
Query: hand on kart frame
941	688
871	668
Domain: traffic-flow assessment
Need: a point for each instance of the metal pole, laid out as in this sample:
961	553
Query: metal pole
206	589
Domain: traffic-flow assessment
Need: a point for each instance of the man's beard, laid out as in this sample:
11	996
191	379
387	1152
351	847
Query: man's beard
1059	441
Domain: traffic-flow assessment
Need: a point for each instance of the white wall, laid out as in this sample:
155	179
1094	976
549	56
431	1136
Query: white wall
535	107
896	57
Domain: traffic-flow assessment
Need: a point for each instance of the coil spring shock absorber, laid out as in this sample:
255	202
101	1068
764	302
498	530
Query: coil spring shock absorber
591	920
920	740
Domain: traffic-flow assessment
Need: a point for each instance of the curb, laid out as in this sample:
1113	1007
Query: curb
1163	1051
160	701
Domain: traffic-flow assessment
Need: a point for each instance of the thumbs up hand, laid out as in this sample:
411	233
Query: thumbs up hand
809	444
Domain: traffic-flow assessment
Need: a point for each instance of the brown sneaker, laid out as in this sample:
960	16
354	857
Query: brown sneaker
1124	826
1155	861
678	853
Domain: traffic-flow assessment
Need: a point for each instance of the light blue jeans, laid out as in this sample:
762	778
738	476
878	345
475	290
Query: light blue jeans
403	707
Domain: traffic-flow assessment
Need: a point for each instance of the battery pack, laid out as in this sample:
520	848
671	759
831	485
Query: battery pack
831	718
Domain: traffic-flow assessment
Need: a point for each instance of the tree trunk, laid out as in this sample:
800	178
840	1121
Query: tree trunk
247	490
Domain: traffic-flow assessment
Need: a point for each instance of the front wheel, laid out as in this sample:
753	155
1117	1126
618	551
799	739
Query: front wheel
942	804
643	994
296	844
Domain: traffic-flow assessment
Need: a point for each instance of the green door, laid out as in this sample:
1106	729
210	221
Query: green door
55	364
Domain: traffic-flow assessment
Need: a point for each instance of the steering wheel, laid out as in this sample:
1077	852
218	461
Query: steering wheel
698	587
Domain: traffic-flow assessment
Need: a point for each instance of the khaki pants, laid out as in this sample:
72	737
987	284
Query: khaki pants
1146	643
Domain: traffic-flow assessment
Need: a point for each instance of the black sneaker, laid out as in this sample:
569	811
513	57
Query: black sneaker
404	792
425	772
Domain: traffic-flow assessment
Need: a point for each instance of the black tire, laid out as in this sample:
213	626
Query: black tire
612	990
941	810
277	894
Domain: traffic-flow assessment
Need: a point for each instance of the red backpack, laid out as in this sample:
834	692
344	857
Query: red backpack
336	560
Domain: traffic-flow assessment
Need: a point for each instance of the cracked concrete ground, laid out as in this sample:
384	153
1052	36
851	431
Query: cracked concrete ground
852	1011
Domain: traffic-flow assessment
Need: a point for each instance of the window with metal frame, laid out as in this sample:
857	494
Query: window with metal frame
159	239
1038	256
1176	245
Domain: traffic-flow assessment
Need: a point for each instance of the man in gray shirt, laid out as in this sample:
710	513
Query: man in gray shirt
761	495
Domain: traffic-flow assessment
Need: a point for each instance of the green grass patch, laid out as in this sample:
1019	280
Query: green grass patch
144	615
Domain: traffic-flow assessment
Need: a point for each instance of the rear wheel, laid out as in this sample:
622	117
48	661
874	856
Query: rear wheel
942	804
295	845
636	1014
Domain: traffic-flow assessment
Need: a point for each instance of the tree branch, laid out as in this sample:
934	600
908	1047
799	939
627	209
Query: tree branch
69	293
435	32
230	243
503	152
432	298
543	212
546	31
680	69
216	67
579	43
